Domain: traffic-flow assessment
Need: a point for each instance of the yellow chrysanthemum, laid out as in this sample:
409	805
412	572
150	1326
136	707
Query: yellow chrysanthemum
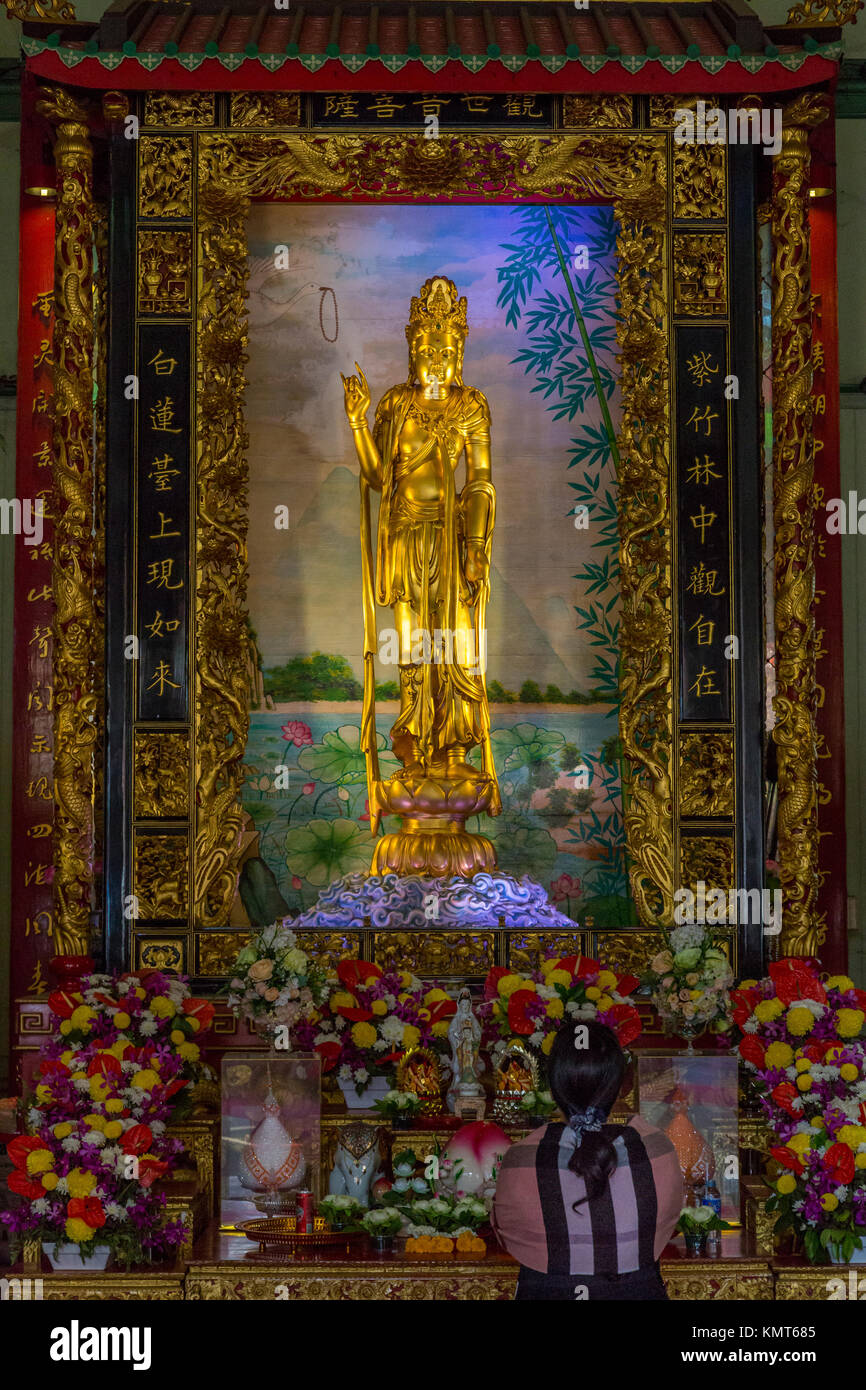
860	1160
189	1051
81	1183
549	964
767	1010
68	1057
65	1027
748	984
803	1064
39	1161
78	1230
81	1017
435	996
50	1181
440	1030
779	1054
799	1143
424	1014
816	1122
113	1129
829	1202
848	1071
379	1007
558	977
555	1008
786	1183
363	1034
604	1003
95	1121
145	1079
162	1007
122	1019
406	979
606	979
508	985
593	992
79	1076
44	1094
62	1130
840	982
99	1087
411	1036
114	1105
403	998
833	1054
177	1036
139	992
800	1021
343	1000
804	1081
852	1135
849	1022
193	1023
547	1043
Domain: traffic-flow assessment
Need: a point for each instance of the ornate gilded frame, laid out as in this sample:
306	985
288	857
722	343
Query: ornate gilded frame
196	182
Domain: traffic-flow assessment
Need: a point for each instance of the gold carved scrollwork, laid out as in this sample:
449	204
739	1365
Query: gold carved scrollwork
833	13
265	108
706	774
630	171
707	859
161	774
165	176
601	110
160	953
443	954
75	619
699	181
630	951
39	9
803	931
164	272
526	950
330	947
179	109
217	951
663	109
161	876
700	274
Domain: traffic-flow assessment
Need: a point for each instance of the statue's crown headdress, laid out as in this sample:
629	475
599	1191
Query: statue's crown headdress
438	307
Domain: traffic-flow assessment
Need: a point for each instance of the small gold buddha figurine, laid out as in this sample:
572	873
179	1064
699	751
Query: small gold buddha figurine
432	569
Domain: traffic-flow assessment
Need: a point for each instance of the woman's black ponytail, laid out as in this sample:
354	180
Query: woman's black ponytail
587	1077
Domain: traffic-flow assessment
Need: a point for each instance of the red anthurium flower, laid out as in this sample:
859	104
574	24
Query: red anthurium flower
149	1169
518	1019
752	1050
104	1064
329	1053
87	1209
492	981
355	1015
860	998
389	1057
137	1139
62	1003
200	1009
817	1049
580	966
788	1159
55	1068
784	1095
839	1162
352	973
24	1186
626	984
744	1001
173	1087
625	1020
795	979
442	1009
106	999
22	1145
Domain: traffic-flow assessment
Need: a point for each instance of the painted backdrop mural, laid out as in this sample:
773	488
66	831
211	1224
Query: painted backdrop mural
329	286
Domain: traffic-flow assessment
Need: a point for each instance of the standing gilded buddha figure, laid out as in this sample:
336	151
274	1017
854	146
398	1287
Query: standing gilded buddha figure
432	568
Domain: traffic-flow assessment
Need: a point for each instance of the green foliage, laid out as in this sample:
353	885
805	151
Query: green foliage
530	693
316	677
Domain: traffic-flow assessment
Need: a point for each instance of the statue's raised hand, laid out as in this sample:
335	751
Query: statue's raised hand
357	397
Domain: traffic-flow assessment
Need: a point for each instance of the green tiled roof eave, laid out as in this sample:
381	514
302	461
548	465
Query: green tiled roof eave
473	63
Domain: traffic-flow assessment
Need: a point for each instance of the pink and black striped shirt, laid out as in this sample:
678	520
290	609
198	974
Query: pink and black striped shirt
623	1229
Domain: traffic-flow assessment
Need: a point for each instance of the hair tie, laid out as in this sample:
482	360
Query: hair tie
582	1121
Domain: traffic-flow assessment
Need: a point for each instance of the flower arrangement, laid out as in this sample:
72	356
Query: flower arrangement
538	1103
566	989
398	1105
804	1040
342	1213
690	979
274	980
445	1215
695	1221
382	1222
367	1025
108	1082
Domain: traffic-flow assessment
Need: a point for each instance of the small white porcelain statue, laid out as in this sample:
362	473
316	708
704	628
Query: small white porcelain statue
357	1163
464	1035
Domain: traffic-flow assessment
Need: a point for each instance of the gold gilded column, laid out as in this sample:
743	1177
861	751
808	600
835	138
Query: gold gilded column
73	511
794	522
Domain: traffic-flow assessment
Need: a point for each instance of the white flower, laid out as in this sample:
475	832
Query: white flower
148	1027
392	1029
129	1066
339	1023
34	1116
82	1084
115	1211
95	1137
362	1075
123	986
71	1144
40	1206
380	1045
750	1025
536	1038
344	1073
700	1214
112	1153
157	1126
841	1192
62	1185
391	1000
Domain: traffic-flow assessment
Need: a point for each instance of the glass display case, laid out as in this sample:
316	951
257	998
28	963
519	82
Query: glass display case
270	1147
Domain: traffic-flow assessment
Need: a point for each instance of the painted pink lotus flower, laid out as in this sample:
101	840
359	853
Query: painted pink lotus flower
564	887
298	733
477	1149
308	788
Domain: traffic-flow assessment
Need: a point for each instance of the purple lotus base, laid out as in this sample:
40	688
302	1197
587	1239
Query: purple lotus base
417	903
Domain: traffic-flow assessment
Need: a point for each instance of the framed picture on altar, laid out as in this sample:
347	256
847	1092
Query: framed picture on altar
270	1147
694	1100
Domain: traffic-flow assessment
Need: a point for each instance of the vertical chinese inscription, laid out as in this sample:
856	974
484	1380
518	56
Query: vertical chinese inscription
704	525
163	521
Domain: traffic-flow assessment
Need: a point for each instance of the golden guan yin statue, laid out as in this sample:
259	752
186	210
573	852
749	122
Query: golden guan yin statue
432	568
